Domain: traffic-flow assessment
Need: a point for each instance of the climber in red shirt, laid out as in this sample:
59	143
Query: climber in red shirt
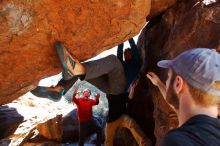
86	123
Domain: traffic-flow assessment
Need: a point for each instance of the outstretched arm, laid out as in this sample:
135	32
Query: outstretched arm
134	49
96	101
162	87
120	52
132	88
157	82
74	99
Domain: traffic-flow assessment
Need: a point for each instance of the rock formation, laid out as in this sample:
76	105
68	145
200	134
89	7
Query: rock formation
159	6
65	128
188	24
10	120
51	129
30	28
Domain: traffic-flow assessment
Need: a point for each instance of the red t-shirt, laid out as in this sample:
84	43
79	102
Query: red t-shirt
84	107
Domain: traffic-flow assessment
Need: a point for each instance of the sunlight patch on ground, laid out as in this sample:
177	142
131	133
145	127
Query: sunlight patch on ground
35	110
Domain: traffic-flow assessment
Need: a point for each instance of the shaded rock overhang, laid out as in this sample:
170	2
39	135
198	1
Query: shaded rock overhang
30	28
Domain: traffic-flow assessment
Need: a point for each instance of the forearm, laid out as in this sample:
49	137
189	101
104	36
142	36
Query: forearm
134	49
132	44
97	99
131	94
120	52
161	86
155	80
97	102
74	98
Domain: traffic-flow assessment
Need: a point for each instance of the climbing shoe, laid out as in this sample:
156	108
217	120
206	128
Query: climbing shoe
43	92
64	56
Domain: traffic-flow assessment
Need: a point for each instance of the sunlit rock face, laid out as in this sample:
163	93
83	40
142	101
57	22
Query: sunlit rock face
187	25
30	28
51	129
65	129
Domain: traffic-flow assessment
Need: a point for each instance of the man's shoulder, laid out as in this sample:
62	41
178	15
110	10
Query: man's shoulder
173	138
199	130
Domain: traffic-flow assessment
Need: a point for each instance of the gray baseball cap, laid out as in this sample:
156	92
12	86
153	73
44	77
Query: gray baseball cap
200	67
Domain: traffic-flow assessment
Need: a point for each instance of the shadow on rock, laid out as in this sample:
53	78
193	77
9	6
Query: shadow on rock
10	120
66	129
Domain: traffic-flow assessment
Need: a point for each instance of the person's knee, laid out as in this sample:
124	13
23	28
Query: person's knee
129	122
126	118
113	58
109	139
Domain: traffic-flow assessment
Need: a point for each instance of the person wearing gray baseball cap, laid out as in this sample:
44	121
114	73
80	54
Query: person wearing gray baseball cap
192	89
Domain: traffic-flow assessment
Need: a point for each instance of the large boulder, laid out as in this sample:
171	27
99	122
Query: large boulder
187	25
51	129
65	129
10	120
30	28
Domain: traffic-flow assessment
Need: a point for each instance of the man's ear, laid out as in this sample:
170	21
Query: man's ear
178	84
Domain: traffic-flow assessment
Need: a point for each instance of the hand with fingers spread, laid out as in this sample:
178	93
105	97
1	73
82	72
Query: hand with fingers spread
155	80
76	90
97	96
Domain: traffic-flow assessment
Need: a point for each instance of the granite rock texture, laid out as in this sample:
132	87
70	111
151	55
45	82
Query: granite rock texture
30	28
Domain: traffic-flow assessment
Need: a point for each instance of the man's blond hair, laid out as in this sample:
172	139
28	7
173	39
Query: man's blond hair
201	97
204	98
